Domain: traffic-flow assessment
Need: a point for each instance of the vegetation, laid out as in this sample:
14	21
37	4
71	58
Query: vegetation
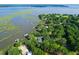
56	34
13	49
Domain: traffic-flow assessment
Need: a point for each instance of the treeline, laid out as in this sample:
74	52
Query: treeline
56	34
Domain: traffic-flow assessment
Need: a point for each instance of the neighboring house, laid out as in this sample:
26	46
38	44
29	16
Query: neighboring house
17	40
29	53
46	26
26	36
40	39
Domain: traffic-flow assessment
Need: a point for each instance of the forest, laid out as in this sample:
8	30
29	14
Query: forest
56	34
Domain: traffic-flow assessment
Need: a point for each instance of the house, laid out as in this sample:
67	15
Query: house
46	26
40	39
29	53
26	35
17	40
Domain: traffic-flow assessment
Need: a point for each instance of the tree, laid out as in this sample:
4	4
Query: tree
14	51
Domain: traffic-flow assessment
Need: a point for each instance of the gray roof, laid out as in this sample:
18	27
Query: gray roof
39	39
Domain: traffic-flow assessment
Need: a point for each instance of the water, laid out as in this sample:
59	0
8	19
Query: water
16	21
